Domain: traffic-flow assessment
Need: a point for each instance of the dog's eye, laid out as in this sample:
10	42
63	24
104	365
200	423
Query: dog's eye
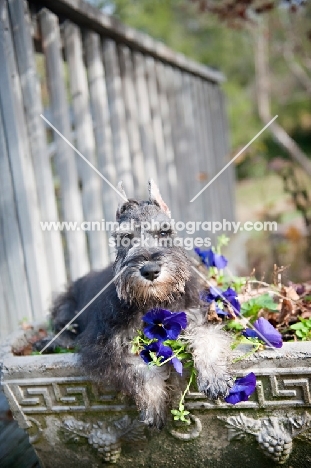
164	233
124	235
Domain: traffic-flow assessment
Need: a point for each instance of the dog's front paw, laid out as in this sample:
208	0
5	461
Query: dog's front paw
47	344
216	387
50	344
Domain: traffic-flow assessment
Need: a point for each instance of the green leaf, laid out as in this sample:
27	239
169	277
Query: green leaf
222	241
302	329
184	356
299	326
249	308
267	302
234	325
253	306
177	343
188	365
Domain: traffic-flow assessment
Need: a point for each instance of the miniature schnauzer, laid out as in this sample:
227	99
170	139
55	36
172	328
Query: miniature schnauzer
146	275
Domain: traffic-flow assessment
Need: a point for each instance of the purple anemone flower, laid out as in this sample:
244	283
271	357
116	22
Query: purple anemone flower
242	389
265	332
162	351
163	324
211	259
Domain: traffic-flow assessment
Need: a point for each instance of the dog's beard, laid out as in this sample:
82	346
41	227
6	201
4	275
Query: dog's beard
132	287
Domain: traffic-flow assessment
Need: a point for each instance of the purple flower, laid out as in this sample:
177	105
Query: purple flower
231	296
220	311
161	351
265	332
211	259
163	324
216	294
249	333
212	295
242	389
177	365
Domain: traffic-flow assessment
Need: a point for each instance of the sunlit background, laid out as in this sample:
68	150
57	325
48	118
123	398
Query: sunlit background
264	49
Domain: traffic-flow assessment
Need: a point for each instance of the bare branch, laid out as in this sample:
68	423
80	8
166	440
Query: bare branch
263	98
297	69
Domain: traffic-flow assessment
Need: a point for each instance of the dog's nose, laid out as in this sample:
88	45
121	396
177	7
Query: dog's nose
150	271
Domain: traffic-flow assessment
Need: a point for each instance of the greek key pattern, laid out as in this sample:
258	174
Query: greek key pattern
74	394
276	388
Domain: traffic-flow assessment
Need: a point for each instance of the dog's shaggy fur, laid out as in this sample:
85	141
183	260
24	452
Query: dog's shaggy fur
149	277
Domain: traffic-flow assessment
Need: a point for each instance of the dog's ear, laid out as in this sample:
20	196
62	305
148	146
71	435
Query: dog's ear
121	206
122	191
154	196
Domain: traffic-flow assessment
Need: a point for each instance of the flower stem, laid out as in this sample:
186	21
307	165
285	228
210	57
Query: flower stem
249	353
182	399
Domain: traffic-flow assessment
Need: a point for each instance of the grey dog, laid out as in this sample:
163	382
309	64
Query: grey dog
155	274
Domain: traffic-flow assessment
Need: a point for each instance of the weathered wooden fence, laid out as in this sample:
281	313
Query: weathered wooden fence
132	107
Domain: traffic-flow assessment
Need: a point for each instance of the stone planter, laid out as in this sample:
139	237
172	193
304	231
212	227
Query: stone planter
71	423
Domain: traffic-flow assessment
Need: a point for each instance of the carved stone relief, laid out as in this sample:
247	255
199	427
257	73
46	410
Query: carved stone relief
105	437
274	434
277	388
65	398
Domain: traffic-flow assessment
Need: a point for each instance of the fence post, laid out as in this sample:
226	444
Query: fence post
25	58
21	166
65	157
85	141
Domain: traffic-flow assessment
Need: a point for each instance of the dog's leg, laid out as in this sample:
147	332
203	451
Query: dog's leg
211	351
111	360
147	386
